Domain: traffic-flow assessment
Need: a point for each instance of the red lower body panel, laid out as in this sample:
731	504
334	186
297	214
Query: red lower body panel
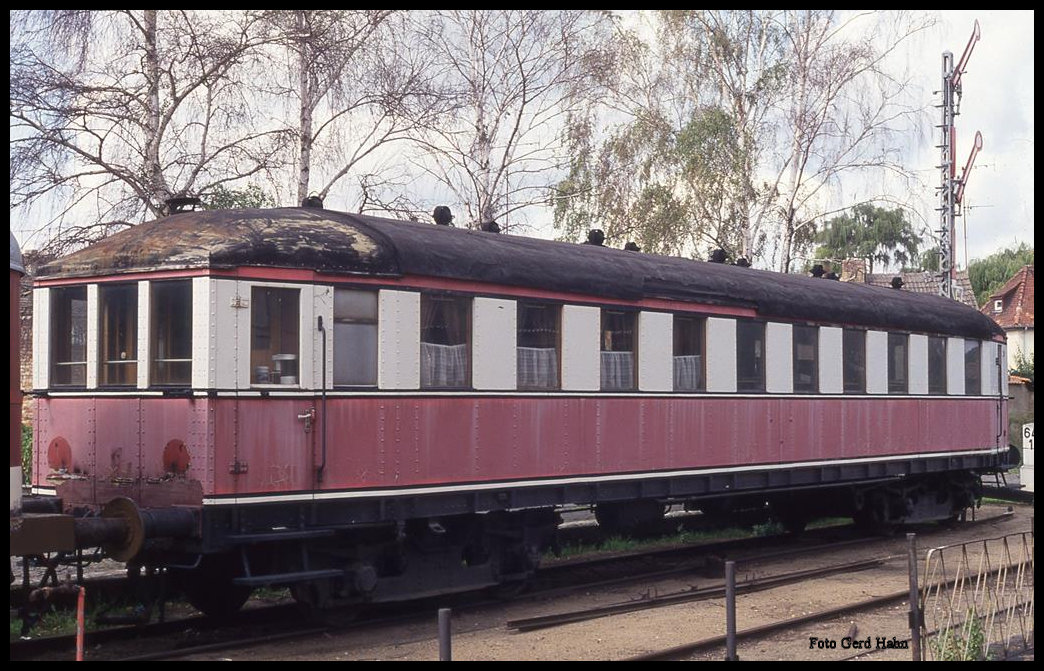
164	451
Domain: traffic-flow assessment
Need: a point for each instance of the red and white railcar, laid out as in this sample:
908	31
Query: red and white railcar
366	408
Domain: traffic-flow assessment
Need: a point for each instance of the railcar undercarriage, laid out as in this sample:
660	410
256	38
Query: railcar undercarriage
374	563
369	563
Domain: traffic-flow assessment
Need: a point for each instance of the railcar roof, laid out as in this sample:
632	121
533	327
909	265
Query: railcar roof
336	242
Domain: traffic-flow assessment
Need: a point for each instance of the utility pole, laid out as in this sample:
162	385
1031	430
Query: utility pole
951	190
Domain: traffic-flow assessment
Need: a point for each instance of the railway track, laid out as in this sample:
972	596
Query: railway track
686	651
696	561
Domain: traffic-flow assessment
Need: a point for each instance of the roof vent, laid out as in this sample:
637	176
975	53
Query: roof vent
182	204
595	237
313	200
442	216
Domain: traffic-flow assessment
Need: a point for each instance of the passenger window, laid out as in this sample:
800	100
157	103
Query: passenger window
936	365
806	359
69	337
750	356
539	336
355	338
275	323
898	353
854	361
171	333
118	335
445	342
972	368
689	339
619	345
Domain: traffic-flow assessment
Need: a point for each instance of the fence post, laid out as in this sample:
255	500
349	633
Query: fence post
915	599
81	608
730	612
444	635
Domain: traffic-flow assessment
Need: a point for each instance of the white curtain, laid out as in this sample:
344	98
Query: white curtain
687	371
537	368
617	370
444	365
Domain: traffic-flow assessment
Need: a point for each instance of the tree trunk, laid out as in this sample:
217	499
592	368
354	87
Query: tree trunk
305	128
158	192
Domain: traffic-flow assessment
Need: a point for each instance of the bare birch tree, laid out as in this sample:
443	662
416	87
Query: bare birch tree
842	116
328	80
759	119
115	111
514	76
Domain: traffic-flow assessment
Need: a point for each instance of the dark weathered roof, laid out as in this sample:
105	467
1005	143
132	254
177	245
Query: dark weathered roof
336	242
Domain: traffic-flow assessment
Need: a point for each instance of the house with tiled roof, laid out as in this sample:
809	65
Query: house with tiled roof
1011	307
924	282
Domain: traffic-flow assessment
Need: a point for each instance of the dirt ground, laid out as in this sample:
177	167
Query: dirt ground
482	635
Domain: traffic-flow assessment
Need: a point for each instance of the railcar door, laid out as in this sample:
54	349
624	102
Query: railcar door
276	419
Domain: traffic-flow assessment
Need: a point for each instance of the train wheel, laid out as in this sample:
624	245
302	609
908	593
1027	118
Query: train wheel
209	587
874	521
634	518
312	595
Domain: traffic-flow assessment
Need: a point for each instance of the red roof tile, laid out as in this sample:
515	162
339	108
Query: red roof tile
1016	297
926	283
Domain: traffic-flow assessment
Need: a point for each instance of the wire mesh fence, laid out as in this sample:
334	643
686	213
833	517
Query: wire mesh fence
977	599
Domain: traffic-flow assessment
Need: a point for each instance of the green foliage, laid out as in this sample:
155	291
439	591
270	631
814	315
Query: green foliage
990	274
872	233
1023	366
223	198
27	454
668	189
771	528
965	642
624	185
625	544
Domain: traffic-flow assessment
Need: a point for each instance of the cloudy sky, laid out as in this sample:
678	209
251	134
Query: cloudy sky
998	102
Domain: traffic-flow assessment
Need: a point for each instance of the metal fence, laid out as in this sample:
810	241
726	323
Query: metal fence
977	599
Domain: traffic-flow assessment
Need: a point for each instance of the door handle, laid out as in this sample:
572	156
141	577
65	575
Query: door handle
307	417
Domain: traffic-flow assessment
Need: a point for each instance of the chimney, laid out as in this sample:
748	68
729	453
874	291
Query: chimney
853	270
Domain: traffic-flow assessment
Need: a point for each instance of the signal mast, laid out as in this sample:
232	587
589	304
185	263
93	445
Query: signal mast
952	189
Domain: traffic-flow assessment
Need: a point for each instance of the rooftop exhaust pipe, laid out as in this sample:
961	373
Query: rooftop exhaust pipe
595	237
182	204
442	216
